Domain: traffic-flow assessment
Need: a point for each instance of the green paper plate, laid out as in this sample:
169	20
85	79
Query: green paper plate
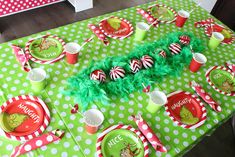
157	11
223	80
122	143
45	48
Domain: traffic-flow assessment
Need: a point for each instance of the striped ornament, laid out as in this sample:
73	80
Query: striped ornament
98	75
175	48
162	53
184	39
135	65
117	72
147	61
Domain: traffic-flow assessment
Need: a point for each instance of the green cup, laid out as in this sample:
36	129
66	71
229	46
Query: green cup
141	31
215	40
37	79
156	100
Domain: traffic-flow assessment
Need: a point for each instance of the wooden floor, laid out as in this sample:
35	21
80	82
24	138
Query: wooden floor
220	144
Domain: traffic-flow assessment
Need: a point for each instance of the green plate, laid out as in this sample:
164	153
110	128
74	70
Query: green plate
223	80
157	11
122	143
45	48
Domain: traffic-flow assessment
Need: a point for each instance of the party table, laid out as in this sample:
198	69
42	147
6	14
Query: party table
76	141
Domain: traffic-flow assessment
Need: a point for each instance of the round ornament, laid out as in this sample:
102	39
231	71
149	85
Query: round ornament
98	75
184	39
135	65
117	72
147	61
162	53
175	48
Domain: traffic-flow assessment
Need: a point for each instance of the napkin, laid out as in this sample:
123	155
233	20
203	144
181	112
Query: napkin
38	142
99	34
148	17
205	96
149	134
21	57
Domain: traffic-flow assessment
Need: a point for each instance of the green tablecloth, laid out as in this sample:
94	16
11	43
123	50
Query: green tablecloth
76	141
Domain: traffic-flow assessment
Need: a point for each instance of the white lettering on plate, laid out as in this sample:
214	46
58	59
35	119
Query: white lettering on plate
115	140
29	112
181	103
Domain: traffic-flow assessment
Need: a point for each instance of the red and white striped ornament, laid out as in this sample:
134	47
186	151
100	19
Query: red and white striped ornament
184	39
98	75
135	65
147	61
162	53
175	48
117	72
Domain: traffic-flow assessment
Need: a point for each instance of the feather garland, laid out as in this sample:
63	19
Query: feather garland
85	91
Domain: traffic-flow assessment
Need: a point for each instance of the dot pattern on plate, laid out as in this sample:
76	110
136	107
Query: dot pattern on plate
76	141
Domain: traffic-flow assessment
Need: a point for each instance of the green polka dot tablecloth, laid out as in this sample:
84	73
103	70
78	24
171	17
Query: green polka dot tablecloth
76	142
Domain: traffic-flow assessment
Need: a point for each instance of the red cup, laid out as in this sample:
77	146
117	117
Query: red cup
197	61
72	52
181	18
93	120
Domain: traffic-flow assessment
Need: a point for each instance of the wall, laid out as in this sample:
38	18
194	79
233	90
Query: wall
207	4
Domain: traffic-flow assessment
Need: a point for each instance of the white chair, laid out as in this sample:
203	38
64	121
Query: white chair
81	5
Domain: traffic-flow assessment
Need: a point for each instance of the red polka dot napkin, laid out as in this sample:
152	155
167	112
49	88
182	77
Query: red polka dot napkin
37	142
149	134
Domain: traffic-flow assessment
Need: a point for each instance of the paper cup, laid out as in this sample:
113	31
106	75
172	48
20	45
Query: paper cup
141	31
197	61
215	40
72	52
93	120
181	18
37	78
156	100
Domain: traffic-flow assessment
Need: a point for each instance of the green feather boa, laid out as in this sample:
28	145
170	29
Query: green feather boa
85	90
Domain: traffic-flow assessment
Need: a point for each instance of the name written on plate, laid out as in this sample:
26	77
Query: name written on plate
114	141
181	103
29	112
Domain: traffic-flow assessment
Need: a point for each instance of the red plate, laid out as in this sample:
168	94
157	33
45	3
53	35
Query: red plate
32	113
185	109
23	117
228	39
115	27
